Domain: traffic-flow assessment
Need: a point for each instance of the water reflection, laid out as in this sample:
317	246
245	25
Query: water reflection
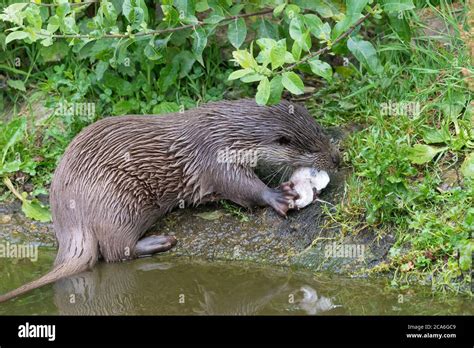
314	304
147	286
182	286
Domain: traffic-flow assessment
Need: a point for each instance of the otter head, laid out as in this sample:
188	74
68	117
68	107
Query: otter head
296	140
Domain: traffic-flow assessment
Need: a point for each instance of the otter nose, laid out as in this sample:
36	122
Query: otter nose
336	158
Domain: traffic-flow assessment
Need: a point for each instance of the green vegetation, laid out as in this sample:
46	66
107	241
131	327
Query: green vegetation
398	70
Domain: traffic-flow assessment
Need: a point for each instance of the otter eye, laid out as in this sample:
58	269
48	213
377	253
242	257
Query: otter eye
283	140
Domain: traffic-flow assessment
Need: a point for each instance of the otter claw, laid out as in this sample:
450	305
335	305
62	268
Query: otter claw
282	198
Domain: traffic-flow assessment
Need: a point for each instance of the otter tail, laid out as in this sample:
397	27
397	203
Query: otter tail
66	265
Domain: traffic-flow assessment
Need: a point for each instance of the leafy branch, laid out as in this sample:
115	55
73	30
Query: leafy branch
273	67
297	26
328	47
224	21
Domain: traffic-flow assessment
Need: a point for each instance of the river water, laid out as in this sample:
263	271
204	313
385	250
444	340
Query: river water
164	285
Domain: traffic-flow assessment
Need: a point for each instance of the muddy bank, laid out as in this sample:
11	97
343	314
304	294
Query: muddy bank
306	238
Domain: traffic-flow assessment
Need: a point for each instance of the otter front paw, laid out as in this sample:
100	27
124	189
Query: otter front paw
282	198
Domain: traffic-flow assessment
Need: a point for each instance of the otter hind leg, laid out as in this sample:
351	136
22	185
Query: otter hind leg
154	244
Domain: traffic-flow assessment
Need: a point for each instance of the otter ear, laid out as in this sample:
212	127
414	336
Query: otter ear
283	140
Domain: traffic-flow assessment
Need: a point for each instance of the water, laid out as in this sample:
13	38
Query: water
180	286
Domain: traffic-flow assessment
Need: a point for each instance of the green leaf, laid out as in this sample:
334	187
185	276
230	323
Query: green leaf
100	69
400	26
190	20
33	17
171	16
11	134
117	84
10	167
54	53
202	6
254	77
291	11
199	43
239	73
296	51
344	24
68	24
168	76
109	11
397	5
17	84
435	136
135	11
165	108
355	6
325	8
63	9
185	7
16	35
237	32
214	19
296	29
35	210
151	52
53	24
279	9
267	29
365	53
14	13
245	59
467	167
263	91
321	68
277	56
266	43
292	83
420	154
276	88
185	60
126	106
314	24
353	14
289	59
465	255
127	7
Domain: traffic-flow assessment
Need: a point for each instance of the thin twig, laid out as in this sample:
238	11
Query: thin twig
70	3
161	31
10	186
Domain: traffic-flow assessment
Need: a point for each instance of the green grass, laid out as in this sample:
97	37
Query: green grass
429	206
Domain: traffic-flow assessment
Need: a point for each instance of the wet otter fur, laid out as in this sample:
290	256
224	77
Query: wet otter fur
121	174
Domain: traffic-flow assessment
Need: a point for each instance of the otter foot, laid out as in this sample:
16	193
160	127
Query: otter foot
282	198
154	244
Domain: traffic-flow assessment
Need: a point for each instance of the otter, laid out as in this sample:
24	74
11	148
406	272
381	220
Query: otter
119	175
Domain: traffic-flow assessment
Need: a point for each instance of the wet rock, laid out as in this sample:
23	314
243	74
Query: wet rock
5	219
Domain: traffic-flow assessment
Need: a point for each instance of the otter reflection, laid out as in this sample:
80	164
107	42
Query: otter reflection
149	287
